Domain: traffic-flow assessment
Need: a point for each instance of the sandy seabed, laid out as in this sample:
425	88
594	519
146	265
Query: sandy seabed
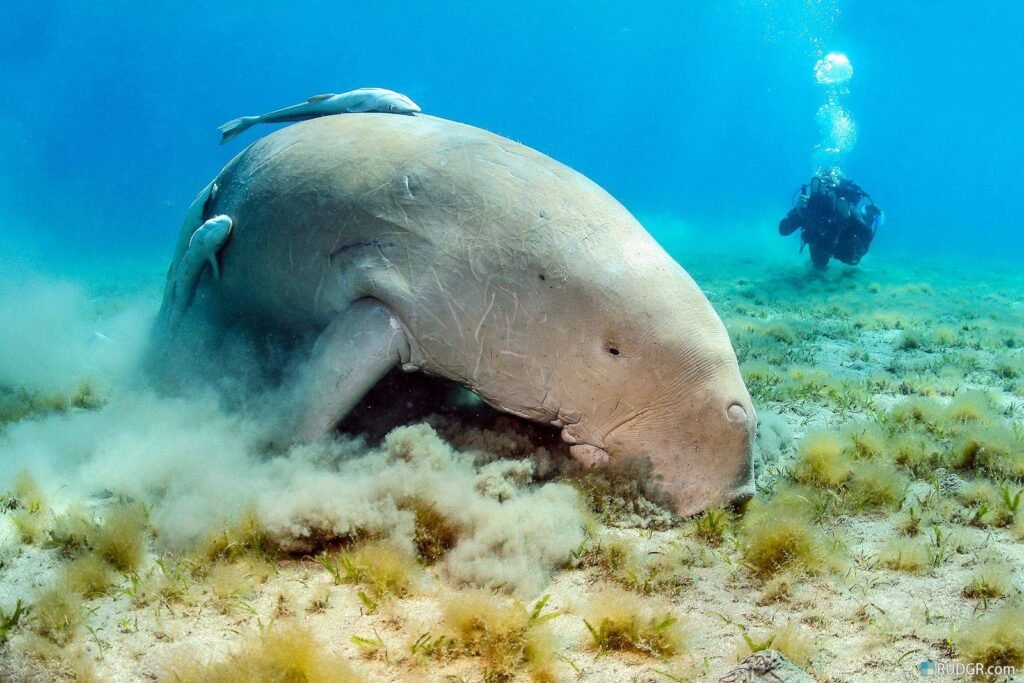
156	538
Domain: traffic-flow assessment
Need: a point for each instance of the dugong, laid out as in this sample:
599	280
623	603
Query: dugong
438	247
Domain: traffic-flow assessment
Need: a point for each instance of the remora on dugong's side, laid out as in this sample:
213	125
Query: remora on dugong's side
439	247
183	275
353	101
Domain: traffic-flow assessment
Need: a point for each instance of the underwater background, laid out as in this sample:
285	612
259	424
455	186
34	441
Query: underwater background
700	112
161	531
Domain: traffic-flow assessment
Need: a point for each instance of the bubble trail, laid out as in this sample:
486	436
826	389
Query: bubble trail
836	126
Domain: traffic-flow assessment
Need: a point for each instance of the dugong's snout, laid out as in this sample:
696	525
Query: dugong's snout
701	449
743	418
713	463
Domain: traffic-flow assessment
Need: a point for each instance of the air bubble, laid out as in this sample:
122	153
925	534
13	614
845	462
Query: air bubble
833	69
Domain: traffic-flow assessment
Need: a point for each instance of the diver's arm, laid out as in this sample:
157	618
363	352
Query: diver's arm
791	223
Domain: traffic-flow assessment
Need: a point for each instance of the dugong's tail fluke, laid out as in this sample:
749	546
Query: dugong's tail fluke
236	127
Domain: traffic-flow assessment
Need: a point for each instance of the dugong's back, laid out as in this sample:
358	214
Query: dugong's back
314	200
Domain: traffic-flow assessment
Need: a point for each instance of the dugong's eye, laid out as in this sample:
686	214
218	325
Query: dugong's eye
612	350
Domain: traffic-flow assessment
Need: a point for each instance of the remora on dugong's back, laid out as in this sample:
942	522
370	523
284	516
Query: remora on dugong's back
433	245
351	102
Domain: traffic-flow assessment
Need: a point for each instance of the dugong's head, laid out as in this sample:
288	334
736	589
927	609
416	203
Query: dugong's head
652	374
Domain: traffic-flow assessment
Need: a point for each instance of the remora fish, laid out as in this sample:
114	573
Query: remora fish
351	102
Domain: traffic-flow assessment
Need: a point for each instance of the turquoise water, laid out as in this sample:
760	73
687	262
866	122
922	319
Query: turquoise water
700	112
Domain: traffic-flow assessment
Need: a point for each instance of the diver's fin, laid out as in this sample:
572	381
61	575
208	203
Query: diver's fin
356	350
320	98
235	127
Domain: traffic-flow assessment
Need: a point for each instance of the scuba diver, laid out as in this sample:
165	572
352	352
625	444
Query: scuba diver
836	218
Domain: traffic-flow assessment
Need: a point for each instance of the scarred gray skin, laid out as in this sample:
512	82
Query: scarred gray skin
433	245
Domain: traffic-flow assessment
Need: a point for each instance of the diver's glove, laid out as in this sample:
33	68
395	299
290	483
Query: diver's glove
803	199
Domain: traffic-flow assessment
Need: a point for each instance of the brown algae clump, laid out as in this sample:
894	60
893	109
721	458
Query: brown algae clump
665	571
822	461
434	534
71	531
382	568
792	639
88	575
245	536
990	580
503	632
876	484
56	615
282	652
30	514
617	620
780	534
121	539
906	555
996	639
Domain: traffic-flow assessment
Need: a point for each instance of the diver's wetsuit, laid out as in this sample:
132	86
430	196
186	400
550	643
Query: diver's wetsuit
832	224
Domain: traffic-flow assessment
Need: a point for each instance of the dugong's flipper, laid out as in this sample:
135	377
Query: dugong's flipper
193	219
363	343
183	278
